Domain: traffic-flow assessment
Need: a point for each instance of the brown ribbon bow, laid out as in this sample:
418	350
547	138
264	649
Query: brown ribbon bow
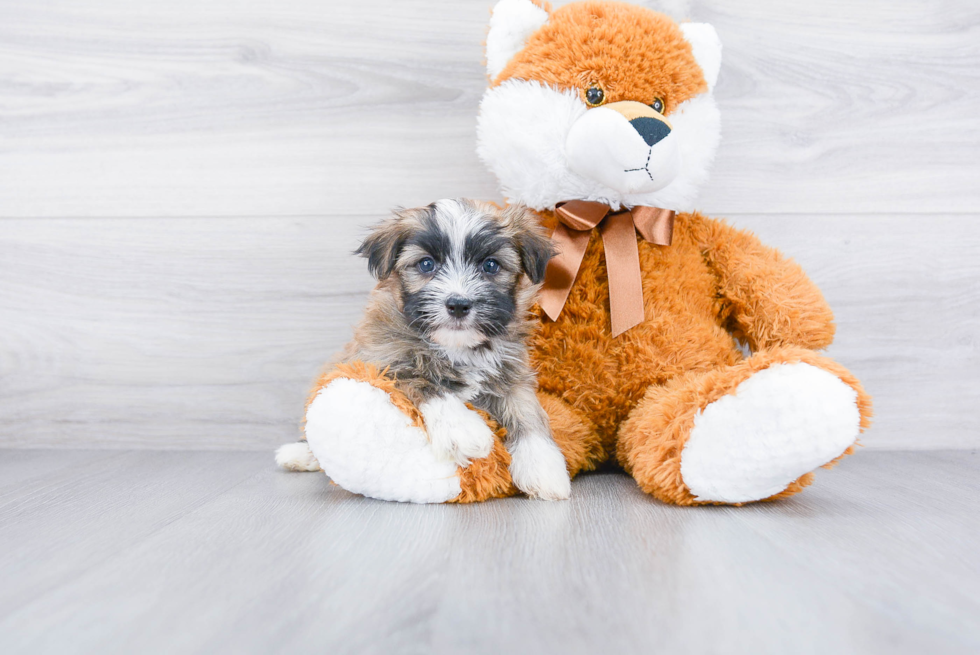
576	220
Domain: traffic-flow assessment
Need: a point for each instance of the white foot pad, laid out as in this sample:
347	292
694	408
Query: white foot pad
368	446
781	423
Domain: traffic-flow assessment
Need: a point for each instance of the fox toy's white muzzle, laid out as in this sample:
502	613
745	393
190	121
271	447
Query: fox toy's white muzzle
626	146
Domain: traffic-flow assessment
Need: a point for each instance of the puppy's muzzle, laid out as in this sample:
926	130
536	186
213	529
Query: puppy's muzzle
625	145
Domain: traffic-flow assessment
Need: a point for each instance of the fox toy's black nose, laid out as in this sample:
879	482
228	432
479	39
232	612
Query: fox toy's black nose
459	307
652	130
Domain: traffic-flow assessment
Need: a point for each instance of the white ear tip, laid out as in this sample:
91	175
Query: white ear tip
707	49
511	23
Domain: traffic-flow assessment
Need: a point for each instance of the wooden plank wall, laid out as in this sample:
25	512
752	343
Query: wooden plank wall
181	185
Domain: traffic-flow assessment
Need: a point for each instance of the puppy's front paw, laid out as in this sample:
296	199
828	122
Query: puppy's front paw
538	468
457	433
297	457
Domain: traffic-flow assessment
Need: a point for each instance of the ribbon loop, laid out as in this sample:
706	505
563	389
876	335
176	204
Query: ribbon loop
581	214
577	219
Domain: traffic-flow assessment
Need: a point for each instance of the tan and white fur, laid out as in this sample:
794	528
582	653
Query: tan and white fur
449	320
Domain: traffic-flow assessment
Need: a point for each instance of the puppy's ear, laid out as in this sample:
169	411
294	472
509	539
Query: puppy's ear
384	244
535	247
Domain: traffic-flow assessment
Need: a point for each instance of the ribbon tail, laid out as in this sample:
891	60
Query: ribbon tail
654	224
562	269
623	267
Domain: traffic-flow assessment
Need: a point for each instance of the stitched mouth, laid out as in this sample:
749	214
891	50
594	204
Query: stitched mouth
646	166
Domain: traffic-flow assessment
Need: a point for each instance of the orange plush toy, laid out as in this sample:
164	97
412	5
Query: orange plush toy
600	116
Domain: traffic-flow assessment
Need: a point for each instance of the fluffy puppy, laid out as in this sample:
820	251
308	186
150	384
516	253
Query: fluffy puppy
450	319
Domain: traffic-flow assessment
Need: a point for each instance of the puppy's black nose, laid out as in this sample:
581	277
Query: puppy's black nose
652	130
459	307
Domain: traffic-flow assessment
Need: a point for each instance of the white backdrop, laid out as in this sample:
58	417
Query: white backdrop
182	183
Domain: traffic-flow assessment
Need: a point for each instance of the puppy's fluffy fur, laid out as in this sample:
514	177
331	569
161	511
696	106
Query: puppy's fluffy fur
449	320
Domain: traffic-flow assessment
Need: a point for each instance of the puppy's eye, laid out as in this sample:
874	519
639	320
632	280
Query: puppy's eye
594	96
427	265
657	105
491	266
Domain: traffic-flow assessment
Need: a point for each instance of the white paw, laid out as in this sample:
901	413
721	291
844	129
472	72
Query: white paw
538	468
297	457
368	446
457	433
781	423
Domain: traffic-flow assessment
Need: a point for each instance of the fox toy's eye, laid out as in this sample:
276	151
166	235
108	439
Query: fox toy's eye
427	265
657	105
594	96
491	266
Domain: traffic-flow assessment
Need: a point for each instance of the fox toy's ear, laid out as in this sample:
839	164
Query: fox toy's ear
511	23
707	49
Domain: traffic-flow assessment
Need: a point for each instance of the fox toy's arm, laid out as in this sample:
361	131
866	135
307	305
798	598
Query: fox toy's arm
767	299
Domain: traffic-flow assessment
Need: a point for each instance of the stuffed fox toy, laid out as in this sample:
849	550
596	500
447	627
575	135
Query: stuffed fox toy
600	117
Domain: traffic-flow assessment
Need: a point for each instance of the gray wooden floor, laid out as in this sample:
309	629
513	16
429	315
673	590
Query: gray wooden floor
143	551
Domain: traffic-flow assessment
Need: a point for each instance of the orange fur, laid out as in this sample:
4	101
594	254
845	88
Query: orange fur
487	478
655	377
751	276
634	398
369	373
681	333
574	434
629	51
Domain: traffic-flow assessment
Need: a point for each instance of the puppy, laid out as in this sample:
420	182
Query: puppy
450	319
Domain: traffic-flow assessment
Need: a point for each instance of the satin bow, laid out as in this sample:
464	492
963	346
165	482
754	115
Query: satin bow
576	219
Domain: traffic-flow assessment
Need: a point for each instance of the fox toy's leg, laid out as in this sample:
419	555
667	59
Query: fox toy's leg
574	433
370	439
748	432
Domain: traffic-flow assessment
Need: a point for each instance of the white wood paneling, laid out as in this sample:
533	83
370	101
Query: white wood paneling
181	185
205	333
300	107
170	332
